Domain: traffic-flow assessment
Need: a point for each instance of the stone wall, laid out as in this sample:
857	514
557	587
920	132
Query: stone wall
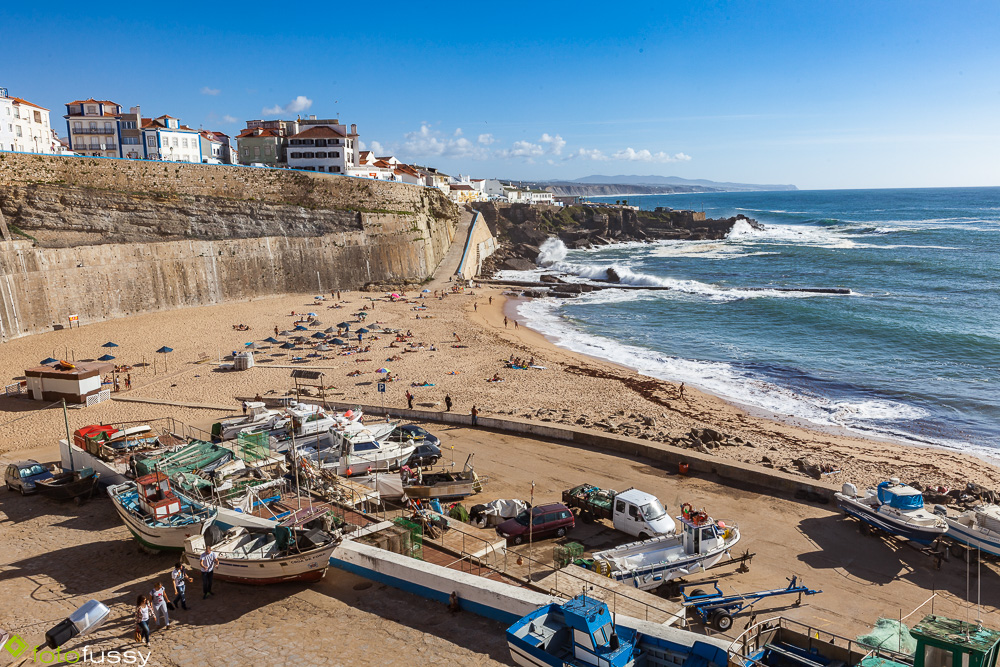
112	238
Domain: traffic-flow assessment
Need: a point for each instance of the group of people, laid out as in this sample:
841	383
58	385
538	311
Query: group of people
155	606
518	362
241	327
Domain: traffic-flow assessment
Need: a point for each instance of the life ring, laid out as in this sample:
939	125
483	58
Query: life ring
699	518
686	510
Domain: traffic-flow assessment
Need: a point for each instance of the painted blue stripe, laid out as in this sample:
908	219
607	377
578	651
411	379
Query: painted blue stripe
873	519
477	608
969	538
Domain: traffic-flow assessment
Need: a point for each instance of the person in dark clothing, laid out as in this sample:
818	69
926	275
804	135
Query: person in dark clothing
409	399
475	416
447	403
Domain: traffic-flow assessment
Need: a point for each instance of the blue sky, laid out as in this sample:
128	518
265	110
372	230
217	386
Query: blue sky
820	94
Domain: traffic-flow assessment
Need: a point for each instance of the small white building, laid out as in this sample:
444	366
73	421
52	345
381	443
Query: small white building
323	145
73	382
24	127
165	138
94	127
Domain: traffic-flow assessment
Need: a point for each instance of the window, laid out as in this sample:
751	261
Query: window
335	154
17	130
130	140
321	154
322	169
151	140
184	142
93	125
175	142
620	506
128	124
309	155
936	657
77	125
335	169
256	151
17	112
108	128
296	155
38	116
91	109
321	142
633	512
267	149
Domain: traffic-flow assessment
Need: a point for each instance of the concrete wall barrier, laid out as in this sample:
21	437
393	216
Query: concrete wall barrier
669	456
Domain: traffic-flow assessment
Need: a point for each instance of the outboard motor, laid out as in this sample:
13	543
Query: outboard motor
84	620
941	510
849	490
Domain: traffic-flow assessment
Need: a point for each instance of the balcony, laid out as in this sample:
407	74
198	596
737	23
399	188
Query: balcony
94	130
107	147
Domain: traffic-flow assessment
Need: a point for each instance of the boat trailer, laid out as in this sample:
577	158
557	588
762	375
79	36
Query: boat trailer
718	608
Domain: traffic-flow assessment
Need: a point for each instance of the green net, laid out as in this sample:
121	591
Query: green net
253	446
564	554
411	540
891	635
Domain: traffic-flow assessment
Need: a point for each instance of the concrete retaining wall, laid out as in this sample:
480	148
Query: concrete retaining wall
666	455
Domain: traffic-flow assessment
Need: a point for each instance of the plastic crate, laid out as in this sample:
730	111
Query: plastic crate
564	554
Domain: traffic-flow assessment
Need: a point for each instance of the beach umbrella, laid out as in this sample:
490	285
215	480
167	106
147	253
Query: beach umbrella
106	357
299	327
317	323
110	344
252	345
323	347
362	330
330	330
344	325
382	370
165	351
425	291
285	333
312	314
338	341
48	360
319	334
272	340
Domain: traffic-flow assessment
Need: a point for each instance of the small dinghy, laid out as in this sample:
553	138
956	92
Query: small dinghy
895	508
977	529
75	485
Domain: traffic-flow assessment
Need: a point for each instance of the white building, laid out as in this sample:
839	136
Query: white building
93	127
24	127
164	138
324	146
539	197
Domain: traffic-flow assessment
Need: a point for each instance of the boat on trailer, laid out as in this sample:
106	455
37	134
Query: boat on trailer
158	518
583	631
895	508
701	543
977	528
296	549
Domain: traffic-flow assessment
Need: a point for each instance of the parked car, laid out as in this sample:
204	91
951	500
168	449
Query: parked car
424	455
553	520
415	433
21	476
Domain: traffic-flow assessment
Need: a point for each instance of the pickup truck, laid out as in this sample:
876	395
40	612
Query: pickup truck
631	511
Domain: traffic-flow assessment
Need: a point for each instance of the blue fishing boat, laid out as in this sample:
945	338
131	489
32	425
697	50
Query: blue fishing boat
158	518
895	508
584	632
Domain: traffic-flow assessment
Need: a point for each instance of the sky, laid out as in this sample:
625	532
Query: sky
821	95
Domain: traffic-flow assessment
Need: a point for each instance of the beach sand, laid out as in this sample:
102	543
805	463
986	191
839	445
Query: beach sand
471	344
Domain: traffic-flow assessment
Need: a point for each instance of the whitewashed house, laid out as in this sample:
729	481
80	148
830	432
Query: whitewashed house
24	127
93	127
165	138
324	146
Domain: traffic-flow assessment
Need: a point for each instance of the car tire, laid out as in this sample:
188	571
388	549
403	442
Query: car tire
561	532
517	539
643	537
21	489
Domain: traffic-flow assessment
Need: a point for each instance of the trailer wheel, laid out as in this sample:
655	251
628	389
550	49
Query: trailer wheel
697	591
587	517
722	620
957	550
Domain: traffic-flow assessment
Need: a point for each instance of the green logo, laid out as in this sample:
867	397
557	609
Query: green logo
15	646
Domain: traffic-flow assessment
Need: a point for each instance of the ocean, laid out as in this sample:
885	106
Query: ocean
911	354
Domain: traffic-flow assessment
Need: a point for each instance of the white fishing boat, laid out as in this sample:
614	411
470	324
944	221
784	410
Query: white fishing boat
158	518
357	450
288	552
895	508
977	528
258	419
702	543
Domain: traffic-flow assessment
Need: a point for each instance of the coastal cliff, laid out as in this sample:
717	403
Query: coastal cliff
111	238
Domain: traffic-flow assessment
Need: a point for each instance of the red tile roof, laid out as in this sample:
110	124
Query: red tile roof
94	101
461	187
18	100
381	163
320	132
252	132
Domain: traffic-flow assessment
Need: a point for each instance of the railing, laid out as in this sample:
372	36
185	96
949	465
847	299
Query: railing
106	147
489	557
94	130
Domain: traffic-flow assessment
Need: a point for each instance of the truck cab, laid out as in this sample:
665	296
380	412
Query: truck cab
641	514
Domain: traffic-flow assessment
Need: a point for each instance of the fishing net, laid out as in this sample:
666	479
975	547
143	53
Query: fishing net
891	635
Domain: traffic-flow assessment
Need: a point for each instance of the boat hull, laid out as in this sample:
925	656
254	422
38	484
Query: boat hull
447	490
973	539
918	534
158	538
77	488
307	567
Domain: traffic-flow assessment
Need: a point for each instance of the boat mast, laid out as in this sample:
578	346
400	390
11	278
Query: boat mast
69	442
295	464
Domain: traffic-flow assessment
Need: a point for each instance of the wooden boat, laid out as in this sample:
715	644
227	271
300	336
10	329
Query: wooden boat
289	552
583	632
443	484
76	485
158	518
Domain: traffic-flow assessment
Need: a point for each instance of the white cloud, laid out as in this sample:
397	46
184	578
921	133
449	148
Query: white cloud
298	105
377	148
644	155
458	131
553	144
588	154
427	142
229	119
486	139
521	149
205	90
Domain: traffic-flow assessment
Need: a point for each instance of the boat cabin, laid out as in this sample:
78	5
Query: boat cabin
900	496
700	533
947	642
595	639
155	496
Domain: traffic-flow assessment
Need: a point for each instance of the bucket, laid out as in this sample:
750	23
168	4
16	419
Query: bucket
682	467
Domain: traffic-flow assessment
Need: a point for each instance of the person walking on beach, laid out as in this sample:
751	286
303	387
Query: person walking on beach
207	561
475	416
128	381
142	614
682	390
491	301
475	307
409	399
275	331
159	597
244	408
515	324
447	403
504	321
180	579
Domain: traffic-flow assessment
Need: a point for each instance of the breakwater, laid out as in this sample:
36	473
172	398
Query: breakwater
103	239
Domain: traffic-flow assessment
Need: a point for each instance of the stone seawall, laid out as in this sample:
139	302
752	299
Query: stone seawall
112	238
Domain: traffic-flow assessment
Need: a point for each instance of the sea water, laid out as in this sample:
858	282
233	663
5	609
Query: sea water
912	353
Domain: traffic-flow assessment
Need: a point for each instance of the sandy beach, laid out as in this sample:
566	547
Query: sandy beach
459	343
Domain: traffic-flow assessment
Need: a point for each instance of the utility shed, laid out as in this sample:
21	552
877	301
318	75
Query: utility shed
74	382
947	642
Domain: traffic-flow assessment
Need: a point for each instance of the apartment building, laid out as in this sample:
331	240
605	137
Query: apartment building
24	127
165	138
324	145
265	142
93	127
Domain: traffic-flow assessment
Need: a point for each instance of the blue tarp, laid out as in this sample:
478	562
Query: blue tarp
902	501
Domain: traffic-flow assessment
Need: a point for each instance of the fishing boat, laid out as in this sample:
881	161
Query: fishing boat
296	549
358	450
895	508
258	419
76	485
936	641
583	631
442	484
701	543
977	528
158	518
